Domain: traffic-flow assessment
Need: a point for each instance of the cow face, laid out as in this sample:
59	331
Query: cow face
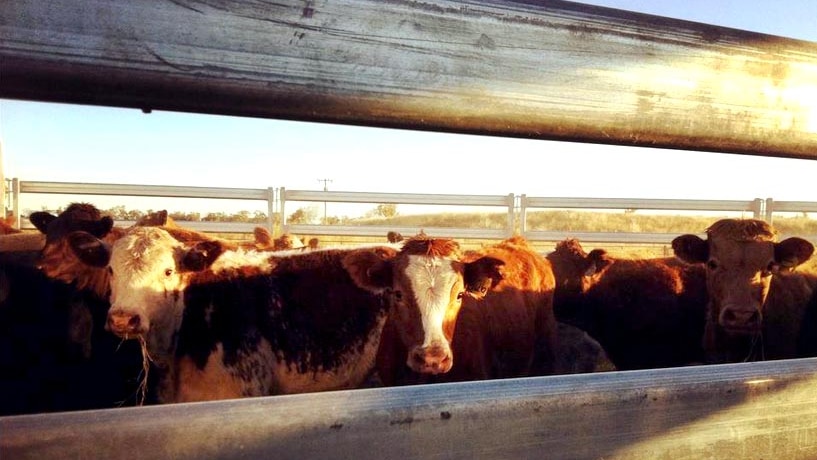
57	259
575	270
741	258
427	284
148	271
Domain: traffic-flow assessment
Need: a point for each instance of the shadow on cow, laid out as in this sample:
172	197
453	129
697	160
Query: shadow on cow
756	301
645	313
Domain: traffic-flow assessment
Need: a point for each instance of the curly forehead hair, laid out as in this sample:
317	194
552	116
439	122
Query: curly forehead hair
742	230
81	211
423	245
571	246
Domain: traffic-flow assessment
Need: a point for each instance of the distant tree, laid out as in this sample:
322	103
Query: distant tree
306	215
117	212
259	217
185	216
216	217
386	210
241	216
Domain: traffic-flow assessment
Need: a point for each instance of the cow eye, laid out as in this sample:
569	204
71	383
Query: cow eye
168	271
398	295
712	265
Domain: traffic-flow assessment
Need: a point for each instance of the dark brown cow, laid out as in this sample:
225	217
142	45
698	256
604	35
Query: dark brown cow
464	315
646	313
55	354
221	322
756	300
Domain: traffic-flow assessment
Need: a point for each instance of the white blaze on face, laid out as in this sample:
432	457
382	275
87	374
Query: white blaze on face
432	280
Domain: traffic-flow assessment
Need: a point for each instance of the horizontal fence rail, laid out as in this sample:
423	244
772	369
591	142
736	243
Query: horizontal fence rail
736	411
755	207
535	69
278	200
548	70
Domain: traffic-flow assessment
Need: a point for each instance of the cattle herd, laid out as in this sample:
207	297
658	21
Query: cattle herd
97	316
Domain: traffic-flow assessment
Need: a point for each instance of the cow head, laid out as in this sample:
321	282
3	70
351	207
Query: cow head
57	259
741	257
575	271
149	269
427	284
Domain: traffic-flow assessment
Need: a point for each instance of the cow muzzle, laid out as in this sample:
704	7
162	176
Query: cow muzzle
740	320
435	359
126	325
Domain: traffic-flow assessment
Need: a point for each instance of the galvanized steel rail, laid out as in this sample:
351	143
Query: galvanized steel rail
277	199
735	411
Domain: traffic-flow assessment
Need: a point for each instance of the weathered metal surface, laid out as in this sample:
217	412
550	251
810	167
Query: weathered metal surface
555	70
740	411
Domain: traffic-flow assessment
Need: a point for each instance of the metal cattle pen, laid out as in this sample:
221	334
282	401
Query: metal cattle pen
276	199
438	65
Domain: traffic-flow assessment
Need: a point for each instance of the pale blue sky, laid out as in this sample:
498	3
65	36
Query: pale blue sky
53	142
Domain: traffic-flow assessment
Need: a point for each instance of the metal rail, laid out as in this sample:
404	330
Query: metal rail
278	200
736	411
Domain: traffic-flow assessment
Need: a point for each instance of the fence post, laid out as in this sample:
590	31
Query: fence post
15	200
523	214
757	208
511	212
282	196
769	209
271	212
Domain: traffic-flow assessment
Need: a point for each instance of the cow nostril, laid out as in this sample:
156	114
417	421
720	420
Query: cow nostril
134	322
417	358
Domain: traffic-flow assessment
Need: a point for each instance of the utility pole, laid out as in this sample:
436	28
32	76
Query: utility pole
325	189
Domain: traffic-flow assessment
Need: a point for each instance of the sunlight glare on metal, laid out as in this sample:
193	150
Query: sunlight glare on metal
758	381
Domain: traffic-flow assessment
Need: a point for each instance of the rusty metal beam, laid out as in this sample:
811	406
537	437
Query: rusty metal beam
550	70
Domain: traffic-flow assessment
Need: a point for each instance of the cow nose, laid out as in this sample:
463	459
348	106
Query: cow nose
741	319
435	359
122	324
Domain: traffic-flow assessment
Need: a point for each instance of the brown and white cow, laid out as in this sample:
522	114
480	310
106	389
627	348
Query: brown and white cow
756	300
646	313
463	315
221	322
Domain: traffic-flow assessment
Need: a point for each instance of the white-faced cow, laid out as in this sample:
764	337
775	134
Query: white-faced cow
646	313
463	315
225	323
756	300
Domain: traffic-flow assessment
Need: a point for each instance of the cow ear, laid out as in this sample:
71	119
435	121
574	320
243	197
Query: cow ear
41	219
371	269
89	249
201	256
597	261
792	252
263	238
482	275
101	227
691	248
